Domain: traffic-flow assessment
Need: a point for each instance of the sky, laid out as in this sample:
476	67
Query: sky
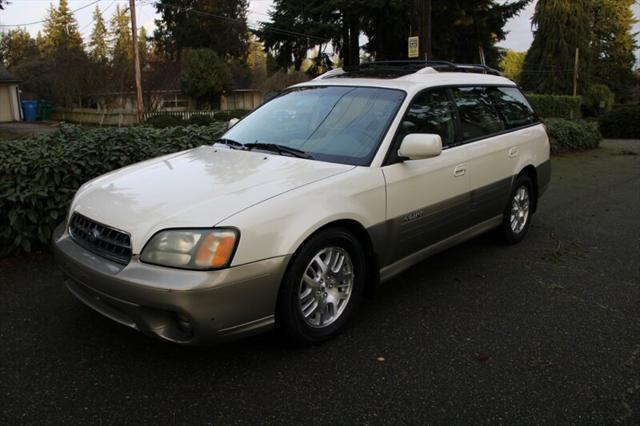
519	35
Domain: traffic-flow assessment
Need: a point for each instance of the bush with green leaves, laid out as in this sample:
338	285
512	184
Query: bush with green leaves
204	76
200	120
556	106
621	123
598	99
238	113
228	115
39	176
222	116
572	135
163	121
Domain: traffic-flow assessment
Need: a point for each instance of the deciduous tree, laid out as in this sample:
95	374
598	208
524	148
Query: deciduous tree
511	64
16	46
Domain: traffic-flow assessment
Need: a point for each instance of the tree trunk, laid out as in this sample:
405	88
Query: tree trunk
354	40
344	52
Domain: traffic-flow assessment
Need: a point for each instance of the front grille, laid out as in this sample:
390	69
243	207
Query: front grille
100	239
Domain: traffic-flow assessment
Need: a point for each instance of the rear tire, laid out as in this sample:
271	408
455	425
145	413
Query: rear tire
322	287
517	215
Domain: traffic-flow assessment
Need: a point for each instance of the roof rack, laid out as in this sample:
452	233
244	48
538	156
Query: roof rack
399	68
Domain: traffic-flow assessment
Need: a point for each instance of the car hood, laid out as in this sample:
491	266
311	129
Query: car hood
195	188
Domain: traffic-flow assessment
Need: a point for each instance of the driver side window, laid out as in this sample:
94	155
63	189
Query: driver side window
431	112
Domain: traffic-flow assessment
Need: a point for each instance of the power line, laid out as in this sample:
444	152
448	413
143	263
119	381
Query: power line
84	27
252	27
266	29
44	20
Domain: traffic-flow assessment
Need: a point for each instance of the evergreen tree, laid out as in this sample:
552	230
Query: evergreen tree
143	46
121	48
460	28
220	25
60	31
613	45
99	48
61	46
205	76
561	26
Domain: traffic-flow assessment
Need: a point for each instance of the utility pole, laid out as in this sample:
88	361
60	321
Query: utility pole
136	62
575	72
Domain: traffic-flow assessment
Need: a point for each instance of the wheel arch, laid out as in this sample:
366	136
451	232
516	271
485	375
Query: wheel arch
362	235
531	172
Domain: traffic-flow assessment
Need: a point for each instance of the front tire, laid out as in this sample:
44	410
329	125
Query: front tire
517	215
322	287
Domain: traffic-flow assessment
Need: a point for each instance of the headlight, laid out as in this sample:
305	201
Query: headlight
191	248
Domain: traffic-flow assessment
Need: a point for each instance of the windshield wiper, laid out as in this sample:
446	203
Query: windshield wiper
279	149
230	143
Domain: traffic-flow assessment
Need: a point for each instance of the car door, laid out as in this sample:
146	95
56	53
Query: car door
427	200
488	149
487	116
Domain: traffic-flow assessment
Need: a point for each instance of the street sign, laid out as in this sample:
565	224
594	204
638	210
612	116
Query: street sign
414	44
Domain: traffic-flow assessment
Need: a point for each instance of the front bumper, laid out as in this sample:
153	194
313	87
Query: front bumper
188	307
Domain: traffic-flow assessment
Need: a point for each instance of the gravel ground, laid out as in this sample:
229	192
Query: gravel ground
544	332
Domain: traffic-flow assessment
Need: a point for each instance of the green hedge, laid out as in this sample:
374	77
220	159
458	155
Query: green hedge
622	122
164	121
556	106
39	176
228	115
599	99
572	135
200	120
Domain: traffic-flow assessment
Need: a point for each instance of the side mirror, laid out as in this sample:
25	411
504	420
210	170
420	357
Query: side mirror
232	122
416	146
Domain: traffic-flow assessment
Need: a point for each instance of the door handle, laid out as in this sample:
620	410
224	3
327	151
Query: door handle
459	170
513	152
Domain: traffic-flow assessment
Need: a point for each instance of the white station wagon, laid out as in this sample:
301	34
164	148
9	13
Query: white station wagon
333	186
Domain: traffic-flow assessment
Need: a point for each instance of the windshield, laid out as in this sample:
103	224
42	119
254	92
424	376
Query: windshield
331	123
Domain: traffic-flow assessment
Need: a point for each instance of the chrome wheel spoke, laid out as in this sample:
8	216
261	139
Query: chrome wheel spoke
519	210
325	287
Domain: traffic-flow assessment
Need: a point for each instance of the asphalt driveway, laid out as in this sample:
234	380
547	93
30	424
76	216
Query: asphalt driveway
544	332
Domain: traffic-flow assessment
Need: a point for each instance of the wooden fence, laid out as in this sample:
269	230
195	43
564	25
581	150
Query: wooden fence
114	117
185	115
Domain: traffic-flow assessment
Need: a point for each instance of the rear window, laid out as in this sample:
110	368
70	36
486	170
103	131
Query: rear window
478	115
512	106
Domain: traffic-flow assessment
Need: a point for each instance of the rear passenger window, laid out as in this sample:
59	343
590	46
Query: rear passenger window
512	106
431	112
478	116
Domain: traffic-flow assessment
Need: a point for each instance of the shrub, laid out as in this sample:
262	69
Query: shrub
200	120
204	76
228	115
222	116
556	106
598	99
622	122
572	135
165	120
238	113
39	176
